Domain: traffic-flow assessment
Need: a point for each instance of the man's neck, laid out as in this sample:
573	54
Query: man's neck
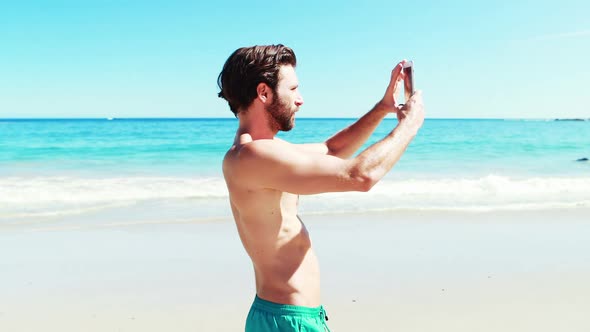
255	123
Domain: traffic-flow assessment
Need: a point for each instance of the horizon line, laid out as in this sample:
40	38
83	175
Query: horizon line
300	118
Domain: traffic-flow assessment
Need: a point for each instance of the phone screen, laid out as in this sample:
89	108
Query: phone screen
409	80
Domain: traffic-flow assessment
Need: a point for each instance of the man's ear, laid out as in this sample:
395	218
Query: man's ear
264	92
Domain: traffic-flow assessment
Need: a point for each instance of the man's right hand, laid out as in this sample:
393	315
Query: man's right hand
411	115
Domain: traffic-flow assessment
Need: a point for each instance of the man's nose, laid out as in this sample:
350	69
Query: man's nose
299	101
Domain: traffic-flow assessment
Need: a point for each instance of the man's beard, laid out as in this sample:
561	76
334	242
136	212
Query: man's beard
280	117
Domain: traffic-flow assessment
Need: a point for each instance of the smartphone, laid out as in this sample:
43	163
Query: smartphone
408	70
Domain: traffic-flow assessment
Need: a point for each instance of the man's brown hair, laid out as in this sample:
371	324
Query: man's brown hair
249	66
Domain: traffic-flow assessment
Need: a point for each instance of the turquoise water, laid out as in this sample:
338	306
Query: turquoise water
50	167
196	146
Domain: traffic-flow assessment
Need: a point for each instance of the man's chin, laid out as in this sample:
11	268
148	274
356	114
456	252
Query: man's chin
289	126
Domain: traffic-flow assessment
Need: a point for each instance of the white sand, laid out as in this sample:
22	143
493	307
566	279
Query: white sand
411	271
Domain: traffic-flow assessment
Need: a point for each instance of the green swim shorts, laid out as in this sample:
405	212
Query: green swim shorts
269	316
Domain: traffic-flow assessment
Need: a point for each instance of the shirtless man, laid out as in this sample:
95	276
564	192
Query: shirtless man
265	175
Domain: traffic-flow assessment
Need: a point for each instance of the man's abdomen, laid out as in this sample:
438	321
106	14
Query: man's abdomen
295	280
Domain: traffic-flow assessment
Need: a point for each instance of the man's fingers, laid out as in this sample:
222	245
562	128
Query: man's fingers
417	95
397	70
396	77
402	108
416	98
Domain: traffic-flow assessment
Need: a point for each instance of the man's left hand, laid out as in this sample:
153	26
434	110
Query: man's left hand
389	101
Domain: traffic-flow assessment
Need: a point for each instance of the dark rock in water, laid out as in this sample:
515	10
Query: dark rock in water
582	159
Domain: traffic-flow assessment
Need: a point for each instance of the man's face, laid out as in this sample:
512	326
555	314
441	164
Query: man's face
286	100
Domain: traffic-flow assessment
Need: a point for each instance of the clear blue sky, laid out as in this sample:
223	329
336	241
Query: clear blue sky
498	59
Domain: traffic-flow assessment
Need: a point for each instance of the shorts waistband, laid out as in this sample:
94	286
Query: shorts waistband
286	309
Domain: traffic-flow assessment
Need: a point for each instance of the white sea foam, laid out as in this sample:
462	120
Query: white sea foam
17	190
485	193
22	197
54	197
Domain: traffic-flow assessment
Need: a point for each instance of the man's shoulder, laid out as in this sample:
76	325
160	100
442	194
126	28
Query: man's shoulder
262	149
252	157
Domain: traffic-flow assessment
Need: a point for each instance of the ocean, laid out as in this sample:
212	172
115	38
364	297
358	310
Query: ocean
103	172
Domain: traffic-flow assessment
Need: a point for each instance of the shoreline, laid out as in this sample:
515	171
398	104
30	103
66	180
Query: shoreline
127	217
